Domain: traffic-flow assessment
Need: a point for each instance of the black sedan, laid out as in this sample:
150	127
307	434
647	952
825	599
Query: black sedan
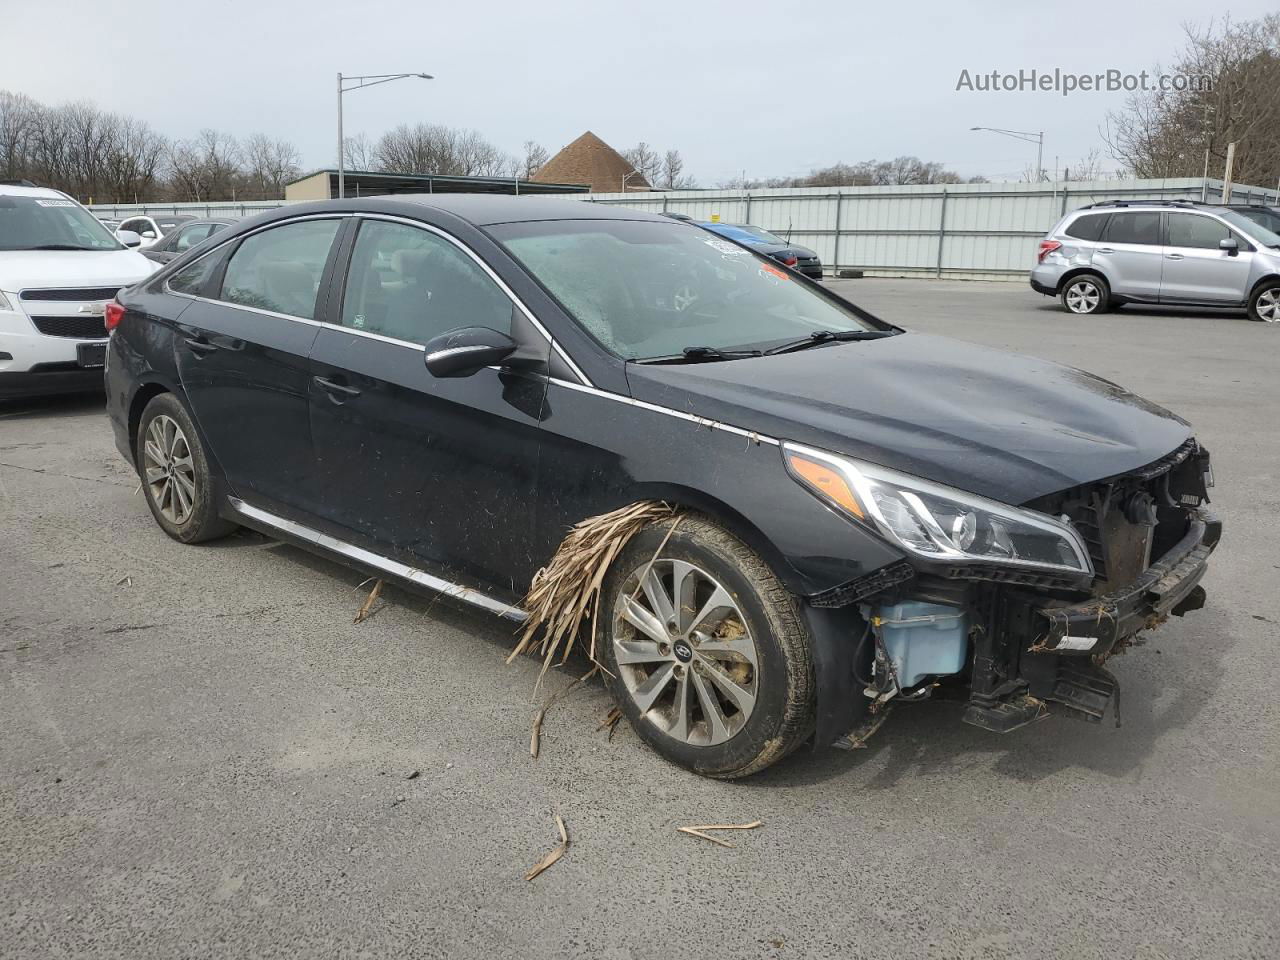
437	388
793	255
185	236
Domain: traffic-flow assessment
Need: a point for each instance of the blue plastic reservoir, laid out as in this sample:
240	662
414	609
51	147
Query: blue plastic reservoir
924	639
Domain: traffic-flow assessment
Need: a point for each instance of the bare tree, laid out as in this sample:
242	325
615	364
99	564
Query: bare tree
269	165
645	161
206	167
535	155
434	148
358	152
673	176
1231	93
19	115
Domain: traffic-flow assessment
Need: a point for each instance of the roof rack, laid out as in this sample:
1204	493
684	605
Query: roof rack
1148	203
16	183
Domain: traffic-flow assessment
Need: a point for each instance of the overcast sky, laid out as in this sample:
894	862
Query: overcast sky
769	88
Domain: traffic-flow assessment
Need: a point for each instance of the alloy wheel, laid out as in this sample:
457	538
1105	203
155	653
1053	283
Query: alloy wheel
1083	296
168	469
1268	305
685	652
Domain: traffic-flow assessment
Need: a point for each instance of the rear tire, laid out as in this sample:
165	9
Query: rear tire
1085	294
720	677
1264	305
175	473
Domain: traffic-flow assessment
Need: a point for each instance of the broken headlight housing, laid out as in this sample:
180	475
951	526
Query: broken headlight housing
937	522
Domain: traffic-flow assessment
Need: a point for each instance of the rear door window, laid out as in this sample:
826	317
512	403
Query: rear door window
412	285
1088	227
1193	230
280	269
1133	228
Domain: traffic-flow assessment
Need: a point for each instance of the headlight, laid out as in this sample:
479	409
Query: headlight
4	304
938	522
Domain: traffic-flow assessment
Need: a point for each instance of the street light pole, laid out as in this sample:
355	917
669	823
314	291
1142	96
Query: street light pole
369	80
1036	138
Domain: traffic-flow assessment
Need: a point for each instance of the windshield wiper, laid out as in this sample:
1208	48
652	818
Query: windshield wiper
60	246
705	355
829	336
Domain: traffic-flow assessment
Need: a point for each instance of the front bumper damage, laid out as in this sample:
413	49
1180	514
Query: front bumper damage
1062	668
1032	645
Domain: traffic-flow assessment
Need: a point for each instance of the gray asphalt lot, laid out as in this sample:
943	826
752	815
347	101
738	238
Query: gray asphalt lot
203	757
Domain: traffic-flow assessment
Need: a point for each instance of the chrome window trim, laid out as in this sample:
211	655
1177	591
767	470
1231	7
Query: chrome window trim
430	228
378	561
511	295
667	411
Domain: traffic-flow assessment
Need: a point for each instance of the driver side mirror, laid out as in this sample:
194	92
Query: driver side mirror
467	350
128	238
1231	245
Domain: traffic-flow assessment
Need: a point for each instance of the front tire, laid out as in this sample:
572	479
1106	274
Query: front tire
710	658
1264	305
1085	294
175	473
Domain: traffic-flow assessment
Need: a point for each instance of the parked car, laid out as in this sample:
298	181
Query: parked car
181	239
791	254
1170	252
153	228
435	389
58	268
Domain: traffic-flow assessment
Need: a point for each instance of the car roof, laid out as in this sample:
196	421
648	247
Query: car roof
483	209
12	190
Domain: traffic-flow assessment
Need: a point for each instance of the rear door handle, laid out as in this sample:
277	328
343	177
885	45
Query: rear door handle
334	387
1173	256
1105	250
200	346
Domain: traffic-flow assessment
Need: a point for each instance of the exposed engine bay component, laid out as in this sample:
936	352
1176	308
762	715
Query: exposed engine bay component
1027	643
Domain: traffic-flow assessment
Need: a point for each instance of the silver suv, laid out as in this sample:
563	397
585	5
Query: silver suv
1169	251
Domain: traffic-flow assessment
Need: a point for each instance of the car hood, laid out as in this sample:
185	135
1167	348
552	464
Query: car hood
23	269
998	424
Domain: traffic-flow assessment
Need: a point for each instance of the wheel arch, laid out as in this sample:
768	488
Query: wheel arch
1080	271
732	520
1262	282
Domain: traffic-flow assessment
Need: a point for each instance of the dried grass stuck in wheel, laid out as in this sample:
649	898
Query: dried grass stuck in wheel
567	590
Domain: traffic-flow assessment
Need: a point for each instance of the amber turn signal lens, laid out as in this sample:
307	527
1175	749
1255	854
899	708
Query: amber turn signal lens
827	482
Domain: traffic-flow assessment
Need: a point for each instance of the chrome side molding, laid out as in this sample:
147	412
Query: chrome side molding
378	562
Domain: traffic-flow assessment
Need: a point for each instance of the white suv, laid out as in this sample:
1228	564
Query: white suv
58	267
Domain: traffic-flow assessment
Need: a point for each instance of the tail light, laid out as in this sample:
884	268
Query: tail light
790	261
1047	247
112	314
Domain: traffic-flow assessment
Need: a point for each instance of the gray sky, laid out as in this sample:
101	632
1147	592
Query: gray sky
735	86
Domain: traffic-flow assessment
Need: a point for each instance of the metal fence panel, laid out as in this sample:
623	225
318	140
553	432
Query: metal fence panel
963	230
969	230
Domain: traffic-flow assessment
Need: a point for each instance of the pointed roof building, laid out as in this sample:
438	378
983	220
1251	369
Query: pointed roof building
591	161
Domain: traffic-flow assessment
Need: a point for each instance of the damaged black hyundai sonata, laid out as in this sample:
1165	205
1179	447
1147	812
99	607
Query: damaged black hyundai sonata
437	389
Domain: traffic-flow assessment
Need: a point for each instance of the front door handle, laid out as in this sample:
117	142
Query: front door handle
334	387
200	346
1174	256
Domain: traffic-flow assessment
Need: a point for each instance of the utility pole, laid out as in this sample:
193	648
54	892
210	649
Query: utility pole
1226	176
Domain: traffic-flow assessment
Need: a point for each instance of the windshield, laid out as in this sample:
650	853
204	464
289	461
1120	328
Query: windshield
50	223
745	234
1251	228
646	289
